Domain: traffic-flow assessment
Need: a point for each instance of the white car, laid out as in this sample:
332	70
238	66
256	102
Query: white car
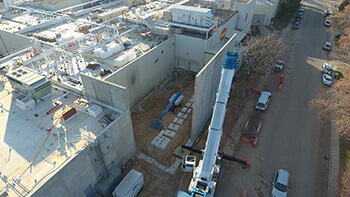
263	101
327	67
278	65
327	79
280	184
327	46
327	23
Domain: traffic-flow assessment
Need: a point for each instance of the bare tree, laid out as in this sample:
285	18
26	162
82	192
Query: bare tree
342	50
336	102
341	20
265	50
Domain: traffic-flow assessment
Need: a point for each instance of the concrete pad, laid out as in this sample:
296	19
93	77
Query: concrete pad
182	115
178	121
184	110
169	134
181	152
174	127
160	142
188	104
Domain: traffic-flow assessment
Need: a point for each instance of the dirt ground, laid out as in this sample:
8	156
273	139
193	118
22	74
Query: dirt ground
158	182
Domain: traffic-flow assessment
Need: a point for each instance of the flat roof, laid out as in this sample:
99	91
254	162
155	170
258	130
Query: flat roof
24	139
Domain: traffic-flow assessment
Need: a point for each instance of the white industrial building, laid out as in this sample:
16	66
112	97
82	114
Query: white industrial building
265	11
100	59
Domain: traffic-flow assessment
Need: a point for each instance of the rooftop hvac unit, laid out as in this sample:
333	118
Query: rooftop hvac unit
29	83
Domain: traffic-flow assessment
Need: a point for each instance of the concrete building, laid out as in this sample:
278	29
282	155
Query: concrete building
74	140
265	11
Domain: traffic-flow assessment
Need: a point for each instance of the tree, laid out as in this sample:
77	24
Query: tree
341	20
335	102
265	50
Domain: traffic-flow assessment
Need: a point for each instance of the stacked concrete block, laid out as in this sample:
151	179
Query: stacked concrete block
160	142
169	134
178	121
174	127
186	110
182	115
191	100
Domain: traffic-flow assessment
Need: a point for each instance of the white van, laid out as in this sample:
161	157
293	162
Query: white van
130	186
263	101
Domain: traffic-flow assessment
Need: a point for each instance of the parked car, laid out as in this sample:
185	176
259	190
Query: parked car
263	101
280	184
300	15
327	67
301	9
327	23
278	65
295	26
327	46
327	79
297	19
327	13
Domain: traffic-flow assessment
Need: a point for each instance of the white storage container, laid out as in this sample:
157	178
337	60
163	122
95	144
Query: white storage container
95	110
125	58
192	16
130	186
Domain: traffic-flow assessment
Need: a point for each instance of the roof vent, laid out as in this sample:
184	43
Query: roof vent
19	70
14	73
19	75
24	72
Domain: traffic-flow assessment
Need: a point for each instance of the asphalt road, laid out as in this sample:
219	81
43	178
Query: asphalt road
292	137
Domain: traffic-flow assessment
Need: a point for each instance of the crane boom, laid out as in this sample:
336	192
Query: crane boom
205	175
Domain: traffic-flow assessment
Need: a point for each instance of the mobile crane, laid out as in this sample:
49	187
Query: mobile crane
206	174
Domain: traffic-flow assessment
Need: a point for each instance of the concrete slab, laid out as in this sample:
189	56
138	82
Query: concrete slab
188	105
178	121
174	127
186	110
182	115
181	152
169	134
160	142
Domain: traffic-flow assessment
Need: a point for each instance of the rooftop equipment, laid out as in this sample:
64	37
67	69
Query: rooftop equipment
29	83
201	17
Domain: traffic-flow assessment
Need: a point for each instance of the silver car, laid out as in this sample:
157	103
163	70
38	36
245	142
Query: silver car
263	101
280	184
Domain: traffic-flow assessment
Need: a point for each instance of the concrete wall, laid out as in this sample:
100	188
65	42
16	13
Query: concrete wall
118	135
72	179
189	53
105	92
144	74
117	145
7	44
245	12
206	86
263	8
230	26
276	7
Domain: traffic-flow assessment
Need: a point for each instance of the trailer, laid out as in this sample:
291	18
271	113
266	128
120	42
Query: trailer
130	186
